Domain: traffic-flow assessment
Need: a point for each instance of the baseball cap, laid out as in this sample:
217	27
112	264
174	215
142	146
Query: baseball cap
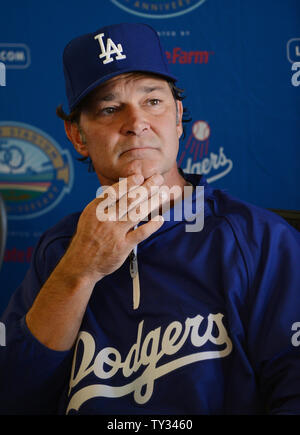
91	59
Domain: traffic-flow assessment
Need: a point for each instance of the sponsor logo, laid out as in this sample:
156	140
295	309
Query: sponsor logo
188	57
2	74
15	56
158	8
2	334
150	357
196	157
293	50
296	75
173	33
35	173
293	56
15	255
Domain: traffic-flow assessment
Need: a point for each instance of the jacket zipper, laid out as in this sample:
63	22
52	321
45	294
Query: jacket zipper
134	272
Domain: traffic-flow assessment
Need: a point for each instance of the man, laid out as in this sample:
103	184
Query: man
211	326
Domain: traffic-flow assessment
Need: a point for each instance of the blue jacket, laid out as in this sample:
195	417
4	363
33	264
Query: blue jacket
216	331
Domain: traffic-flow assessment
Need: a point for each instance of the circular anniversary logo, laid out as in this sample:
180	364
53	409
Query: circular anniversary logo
158	8
35	173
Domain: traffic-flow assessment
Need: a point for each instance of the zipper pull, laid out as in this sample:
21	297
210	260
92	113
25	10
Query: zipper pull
134	273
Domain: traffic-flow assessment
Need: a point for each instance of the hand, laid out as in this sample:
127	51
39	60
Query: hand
97	249
106	231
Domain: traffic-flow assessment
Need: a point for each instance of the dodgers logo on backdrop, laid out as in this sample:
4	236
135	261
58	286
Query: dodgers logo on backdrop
196	157
35	173
158	8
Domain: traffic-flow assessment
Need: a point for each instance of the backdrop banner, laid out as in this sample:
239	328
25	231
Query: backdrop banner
238	62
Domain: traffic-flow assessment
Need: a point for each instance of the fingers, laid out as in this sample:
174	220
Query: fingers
144	231
149	207
129	202
112	194
102	247
125	185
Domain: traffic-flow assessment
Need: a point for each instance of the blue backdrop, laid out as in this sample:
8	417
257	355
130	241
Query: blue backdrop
236	60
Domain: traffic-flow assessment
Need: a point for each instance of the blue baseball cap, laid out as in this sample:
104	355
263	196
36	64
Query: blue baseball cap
91	59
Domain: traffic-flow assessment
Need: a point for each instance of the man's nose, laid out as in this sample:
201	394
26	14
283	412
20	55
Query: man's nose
135	122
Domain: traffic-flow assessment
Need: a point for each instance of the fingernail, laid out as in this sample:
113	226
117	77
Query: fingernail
163	195
138	178
158	179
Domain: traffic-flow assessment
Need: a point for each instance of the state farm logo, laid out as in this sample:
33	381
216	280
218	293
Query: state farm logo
197	158
178	55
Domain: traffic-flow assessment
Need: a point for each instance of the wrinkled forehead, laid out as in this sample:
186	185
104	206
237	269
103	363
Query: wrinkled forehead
132	77
129	82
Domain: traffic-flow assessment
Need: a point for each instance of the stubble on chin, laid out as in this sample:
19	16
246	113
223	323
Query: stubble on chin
145	168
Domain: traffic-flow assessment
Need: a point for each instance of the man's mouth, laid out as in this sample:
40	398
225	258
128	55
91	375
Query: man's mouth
138	149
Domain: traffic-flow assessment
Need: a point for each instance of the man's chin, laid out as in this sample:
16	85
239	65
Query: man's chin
145	168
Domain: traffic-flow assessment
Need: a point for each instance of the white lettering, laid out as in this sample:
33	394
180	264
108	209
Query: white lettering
146	353
296	76
140	209
213	162
296	337
111	48
103	358
2	74
106	209
199	213
12	56
124	425
2	334
127	370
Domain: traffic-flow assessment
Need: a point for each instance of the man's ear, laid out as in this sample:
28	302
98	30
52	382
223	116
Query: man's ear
76	137
179	113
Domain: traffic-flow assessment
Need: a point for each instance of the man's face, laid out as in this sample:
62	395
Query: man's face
131	126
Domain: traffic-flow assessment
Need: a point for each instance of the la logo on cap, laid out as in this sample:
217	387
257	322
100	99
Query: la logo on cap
111	48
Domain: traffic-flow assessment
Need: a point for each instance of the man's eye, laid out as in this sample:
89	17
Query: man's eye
104	111
154	102
108	110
